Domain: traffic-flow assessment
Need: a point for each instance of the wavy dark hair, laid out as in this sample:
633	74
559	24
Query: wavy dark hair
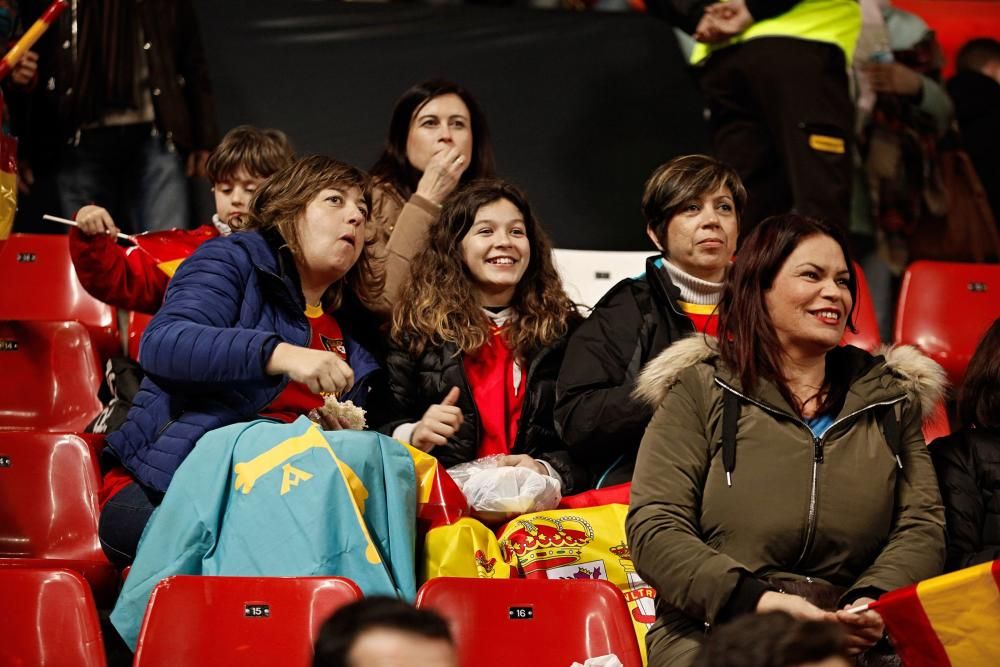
979	396
748	342
438	304
393	168
282	199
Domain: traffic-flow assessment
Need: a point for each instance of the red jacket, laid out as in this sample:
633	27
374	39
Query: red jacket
129	278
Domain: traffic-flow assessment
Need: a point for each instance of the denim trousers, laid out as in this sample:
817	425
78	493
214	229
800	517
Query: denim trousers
122	521
129	170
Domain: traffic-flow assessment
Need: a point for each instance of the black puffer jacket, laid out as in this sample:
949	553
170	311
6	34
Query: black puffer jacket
595	412
968	468
417	384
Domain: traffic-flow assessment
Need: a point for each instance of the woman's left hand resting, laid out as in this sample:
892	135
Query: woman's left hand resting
863	629
319	370
524	461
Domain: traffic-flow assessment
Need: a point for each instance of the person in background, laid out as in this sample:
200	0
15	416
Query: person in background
264	322
384	632
692	206
478	337
132	279
124	110
782	471
775	640
968	461
975	90
438	139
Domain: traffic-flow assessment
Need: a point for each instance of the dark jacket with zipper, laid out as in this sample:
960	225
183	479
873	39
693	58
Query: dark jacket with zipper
206	350
595	413
416	384
968	468
837	509
178	78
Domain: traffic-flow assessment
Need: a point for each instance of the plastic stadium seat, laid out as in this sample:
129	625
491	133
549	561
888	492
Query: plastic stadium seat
937	426
48	507
547	621
39	283
865	318
242	621
588	274
137	323
49	619
945	308
50	377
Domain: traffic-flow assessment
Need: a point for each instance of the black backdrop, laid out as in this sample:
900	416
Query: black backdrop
582	106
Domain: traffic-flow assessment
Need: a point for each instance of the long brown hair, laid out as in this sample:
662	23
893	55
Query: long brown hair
282	199
979	397
748	342
438	304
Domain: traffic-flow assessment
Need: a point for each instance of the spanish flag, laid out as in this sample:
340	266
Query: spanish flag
952	620
8	182
169	248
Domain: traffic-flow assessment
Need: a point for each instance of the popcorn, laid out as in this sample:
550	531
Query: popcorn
349	414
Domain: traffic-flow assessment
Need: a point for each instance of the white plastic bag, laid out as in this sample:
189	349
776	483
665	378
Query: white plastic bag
505	490
610	660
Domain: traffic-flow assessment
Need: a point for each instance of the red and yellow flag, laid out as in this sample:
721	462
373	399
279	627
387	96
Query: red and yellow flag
171	247
948	621
8	181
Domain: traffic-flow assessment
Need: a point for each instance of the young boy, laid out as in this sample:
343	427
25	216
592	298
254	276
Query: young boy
134	280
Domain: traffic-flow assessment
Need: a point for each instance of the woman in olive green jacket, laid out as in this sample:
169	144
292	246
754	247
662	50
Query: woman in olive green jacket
778	461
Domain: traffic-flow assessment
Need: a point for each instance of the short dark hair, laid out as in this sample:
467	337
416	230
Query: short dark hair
979	396
748	343
393	168
258	152
977	54
772	640
675	183
340	631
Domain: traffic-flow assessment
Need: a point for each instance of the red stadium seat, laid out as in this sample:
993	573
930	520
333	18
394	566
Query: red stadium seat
242	621
945	308
554	622
49	619
51	377
48	507
937	425
137	323
865	319
40	283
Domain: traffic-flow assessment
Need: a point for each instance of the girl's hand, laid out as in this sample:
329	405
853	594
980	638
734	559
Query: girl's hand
793	605
439	423
441	177
863	629
524	461
319	370
93	220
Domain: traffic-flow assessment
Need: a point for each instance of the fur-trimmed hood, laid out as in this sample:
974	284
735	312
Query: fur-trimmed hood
921	378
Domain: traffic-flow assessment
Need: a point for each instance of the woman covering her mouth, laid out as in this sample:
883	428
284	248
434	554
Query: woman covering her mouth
780	471
478	336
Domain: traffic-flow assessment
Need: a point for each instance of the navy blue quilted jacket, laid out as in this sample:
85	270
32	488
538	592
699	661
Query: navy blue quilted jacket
226	309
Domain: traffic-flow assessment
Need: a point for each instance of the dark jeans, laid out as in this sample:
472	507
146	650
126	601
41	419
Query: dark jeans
122	521
129	170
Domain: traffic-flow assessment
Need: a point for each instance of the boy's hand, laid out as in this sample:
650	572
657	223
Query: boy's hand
93	220
25	69
439	423
319	370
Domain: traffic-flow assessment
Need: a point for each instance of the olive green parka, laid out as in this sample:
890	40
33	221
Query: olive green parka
838	509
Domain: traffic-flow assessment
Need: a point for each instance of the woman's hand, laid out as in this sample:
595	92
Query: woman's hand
524	461
793	605
441	177
863	629
319	370
439	423
93	220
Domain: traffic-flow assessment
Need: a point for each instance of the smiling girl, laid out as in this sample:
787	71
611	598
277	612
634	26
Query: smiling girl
479	335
